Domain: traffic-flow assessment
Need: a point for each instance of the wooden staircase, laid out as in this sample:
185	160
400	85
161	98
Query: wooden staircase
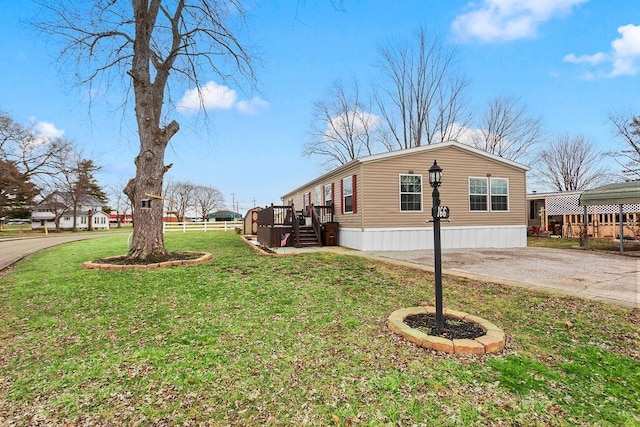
307	237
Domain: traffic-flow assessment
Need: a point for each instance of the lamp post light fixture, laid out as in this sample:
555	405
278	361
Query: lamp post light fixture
435	180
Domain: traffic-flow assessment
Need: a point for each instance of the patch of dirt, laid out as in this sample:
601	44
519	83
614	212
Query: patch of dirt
452	329
173	256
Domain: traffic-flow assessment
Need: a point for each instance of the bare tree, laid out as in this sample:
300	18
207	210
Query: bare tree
506	129
343	129
206	200
422	102
36	156
146	43
628	128
571	163
119	203
183	194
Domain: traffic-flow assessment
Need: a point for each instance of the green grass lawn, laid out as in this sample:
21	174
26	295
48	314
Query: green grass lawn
594	244
249	339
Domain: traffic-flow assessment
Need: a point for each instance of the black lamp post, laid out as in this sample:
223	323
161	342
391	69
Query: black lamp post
435	179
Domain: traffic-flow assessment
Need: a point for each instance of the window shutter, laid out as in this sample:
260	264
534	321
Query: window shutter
355	195
342	197
333	197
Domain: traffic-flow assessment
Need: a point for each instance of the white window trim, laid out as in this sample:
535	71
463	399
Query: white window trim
400	193
469	194
488	195
344	194
508	195
318	195
330	192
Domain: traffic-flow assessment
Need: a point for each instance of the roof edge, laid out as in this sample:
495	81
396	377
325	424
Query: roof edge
409	151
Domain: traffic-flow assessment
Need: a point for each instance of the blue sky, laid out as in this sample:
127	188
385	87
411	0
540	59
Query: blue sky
569	61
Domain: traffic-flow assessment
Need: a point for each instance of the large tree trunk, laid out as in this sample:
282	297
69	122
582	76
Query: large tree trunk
148	240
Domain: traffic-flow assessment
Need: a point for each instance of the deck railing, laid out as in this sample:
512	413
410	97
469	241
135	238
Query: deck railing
286	217
323	212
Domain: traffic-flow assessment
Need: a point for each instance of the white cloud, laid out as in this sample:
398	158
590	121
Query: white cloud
626	51
355	121
508	20
48	130
588	59
43	132
465	134
211	96
252	106
624	56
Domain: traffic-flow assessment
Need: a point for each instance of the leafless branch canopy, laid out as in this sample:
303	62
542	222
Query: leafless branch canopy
572	163
188	38
506	130
343	129
38	157
627	127
422	101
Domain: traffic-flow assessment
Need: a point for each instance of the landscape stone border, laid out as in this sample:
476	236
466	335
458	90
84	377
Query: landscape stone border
104	263
493	341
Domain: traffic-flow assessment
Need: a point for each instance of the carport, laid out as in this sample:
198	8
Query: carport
624	193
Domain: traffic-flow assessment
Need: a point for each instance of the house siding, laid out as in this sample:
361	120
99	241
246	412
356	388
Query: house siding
335	179
379	224
381	200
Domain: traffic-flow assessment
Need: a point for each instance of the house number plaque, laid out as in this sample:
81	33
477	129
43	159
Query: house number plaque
442	212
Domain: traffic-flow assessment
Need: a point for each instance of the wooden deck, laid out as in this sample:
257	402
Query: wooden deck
284	226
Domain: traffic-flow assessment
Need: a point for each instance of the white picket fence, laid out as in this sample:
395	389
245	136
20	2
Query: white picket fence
201	226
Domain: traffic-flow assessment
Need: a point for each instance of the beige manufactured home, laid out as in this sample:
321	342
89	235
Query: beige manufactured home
383	202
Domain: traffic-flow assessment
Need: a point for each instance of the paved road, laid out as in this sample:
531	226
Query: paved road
13	250
609	277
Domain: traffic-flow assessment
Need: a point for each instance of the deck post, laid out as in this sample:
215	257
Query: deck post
586	229
621	231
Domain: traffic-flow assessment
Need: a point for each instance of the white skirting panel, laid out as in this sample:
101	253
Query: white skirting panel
405	239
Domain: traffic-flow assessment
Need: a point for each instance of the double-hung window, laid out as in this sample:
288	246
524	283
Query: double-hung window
347	194
410	193
478	192
489	194
499	194
328	194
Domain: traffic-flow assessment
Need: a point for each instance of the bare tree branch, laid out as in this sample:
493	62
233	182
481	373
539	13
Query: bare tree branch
572	163
343	129
422	102
506	130
627	127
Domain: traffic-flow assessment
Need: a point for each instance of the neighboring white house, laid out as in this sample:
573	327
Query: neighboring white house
58	207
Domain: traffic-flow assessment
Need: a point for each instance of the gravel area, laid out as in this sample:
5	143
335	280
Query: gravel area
611	277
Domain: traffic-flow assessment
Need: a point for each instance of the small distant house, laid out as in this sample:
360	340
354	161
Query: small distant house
383	202
560	214
224	215
58	208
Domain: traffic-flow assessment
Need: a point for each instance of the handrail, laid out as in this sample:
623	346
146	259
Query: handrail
315	221
295	224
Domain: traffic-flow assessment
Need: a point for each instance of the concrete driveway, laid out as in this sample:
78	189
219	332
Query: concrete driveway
609	277
13	250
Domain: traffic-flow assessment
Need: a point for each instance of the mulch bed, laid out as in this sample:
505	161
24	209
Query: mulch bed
173	256
452	329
